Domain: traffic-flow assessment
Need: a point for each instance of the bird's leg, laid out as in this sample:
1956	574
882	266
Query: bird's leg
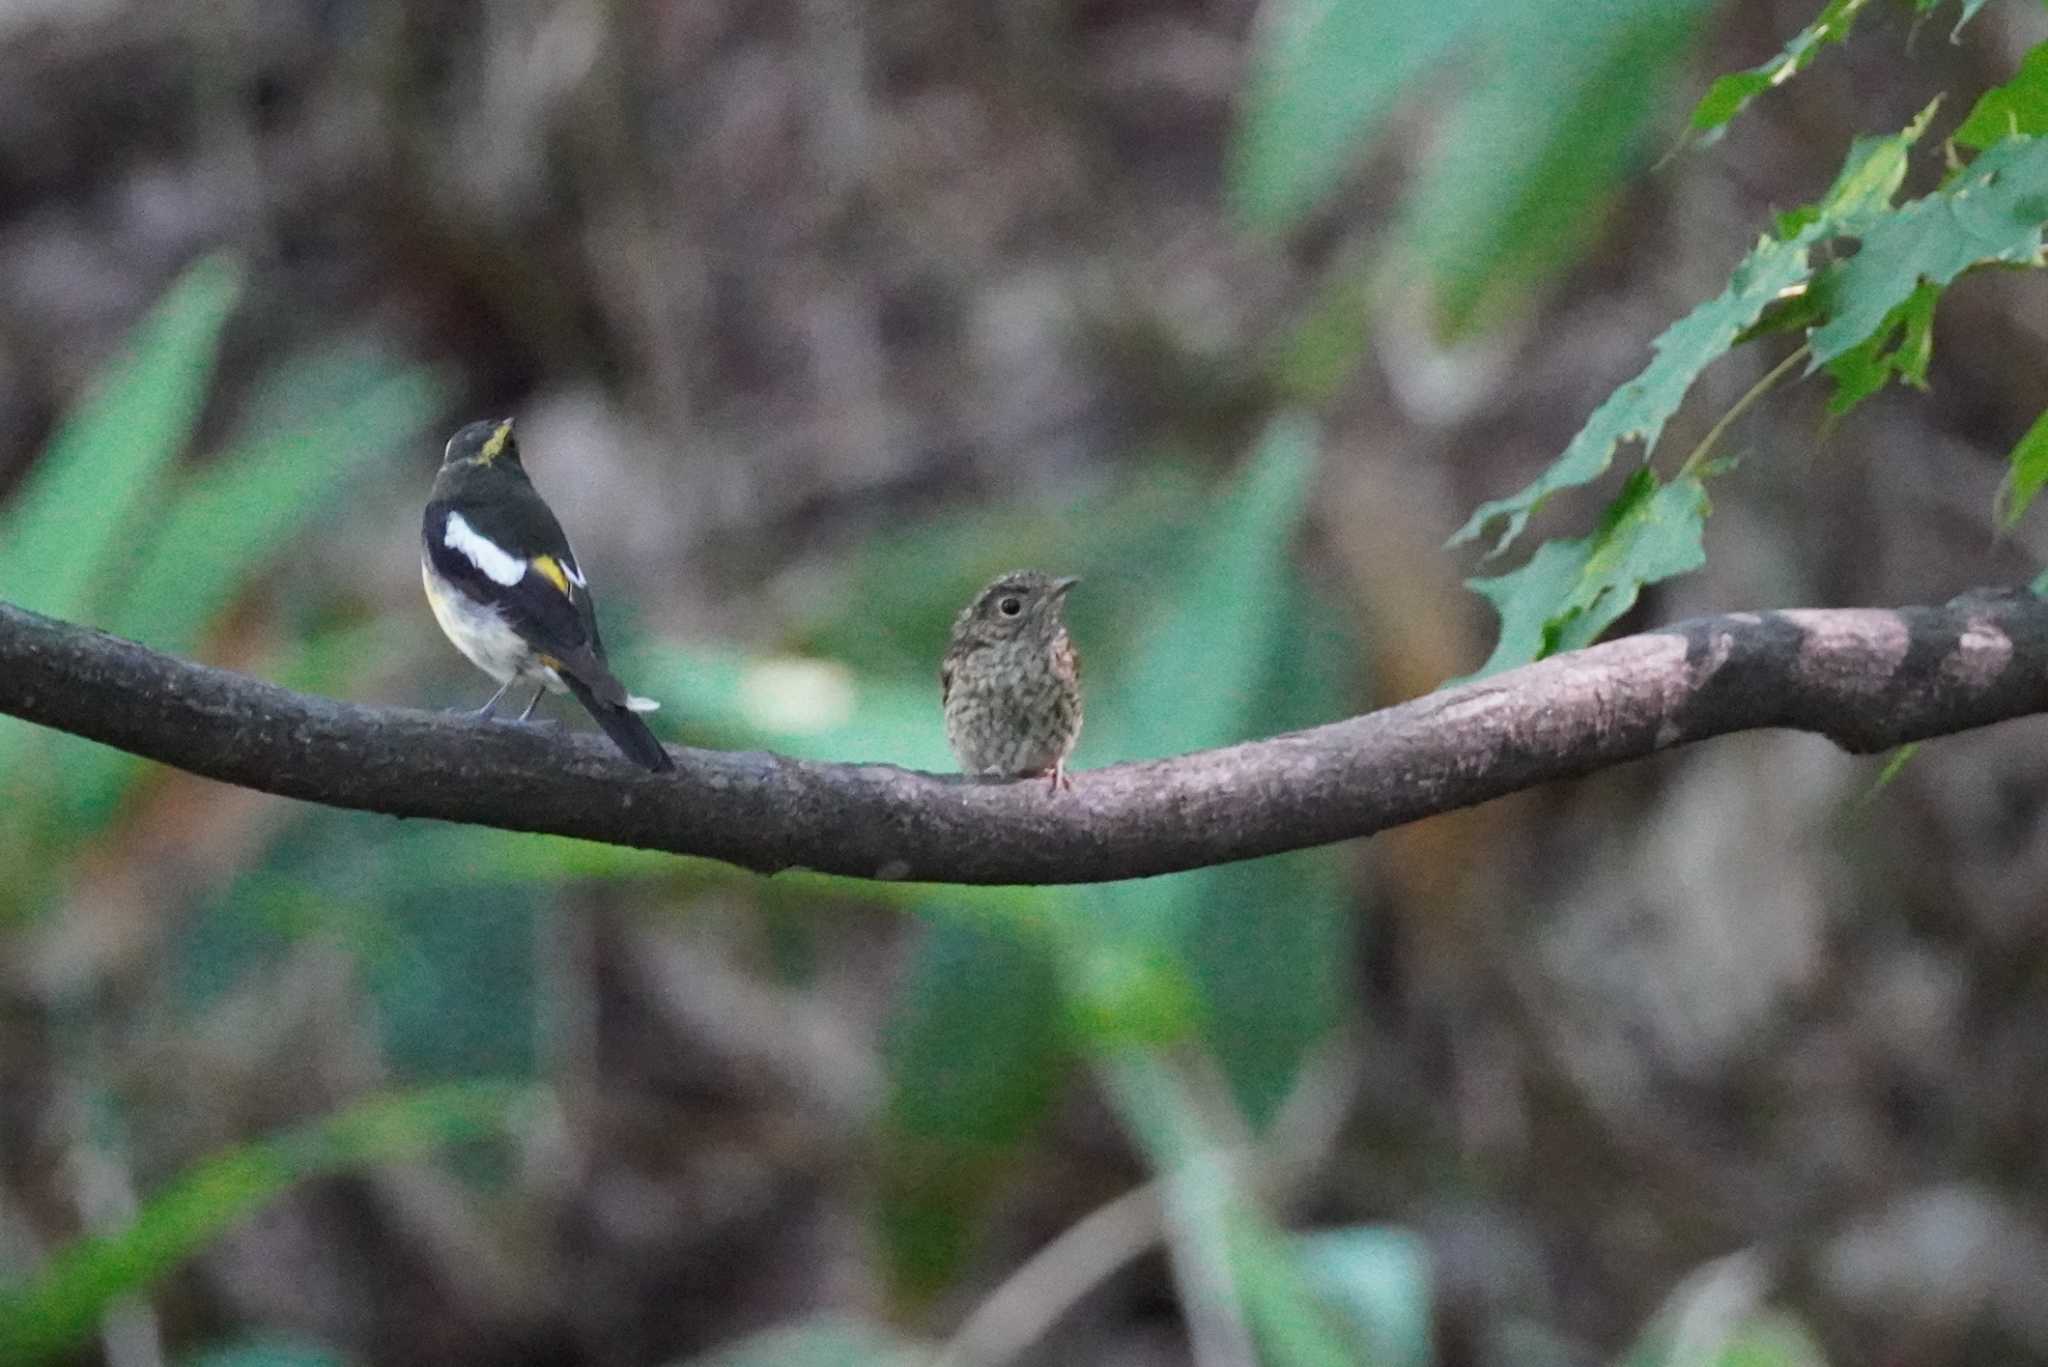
484	713
1056	777
535	703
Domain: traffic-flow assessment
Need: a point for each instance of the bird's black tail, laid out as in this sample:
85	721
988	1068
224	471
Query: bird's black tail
624	726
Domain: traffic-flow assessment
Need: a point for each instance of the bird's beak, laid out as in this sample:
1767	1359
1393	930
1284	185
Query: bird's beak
1060	586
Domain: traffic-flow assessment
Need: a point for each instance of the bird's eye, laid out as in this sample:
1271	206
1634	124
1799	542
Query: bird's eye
1010	607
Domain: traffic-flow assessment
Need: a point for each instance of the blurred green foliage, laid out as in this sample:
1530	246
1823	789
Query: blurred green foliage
112	528
1547	103
1248	959
60	1305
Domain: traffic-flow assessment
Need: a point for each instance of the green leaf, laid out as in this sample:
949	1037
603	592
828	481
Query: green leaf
1731	94
2026	471
1532	154
1871	174
1773	274
1379	1277
86	494
58	1308
2017	108
1571	591
1324	74
1991	211
1639	409
1902	346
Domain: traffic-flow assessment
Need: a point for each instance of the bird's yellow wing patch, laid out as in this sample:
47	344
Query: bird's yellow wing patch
551	570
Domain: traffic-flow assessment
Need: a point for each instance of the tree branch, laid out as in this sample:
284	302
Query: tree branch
1867	678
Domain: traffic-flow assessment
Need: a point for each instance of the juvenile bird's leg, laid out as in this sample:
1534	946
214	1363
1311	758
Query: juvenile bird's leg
1056	777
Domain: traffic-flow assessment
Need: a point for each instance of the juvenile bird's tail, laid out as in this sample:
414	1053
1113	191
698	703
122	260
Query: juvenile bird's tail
623	725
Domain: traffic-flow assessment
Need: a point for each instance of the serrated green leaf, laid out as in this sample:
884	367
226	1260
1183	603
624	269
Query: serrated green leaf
1532	154
1871	174
2025	473
1992	211
42	1320
1729	95
1773	275
1902	346
1324	73
1639	409
2017	108
1571	591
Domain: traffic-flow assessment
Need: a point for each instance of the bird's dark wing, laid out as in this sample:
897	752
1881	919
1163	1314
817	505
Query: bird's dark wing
513	555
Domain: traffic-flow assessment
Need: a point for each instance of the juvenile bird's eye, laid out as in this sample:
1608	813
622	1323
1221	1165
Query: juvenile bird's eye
1010	607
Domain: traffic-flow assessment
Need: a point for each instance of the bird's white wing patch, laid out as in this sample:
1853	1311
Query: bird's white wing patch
569	567
499	565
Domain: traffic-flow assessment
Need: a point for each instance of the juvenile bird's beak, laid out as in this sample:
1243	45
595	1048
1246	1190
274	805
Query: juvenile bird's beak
1060	586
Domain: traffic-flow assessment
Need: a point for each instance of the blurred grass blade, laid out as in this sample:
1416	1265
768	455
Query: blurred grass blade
88	494
826	1343
313	428
1224	1244
976	1049
236	513
1378	1277
266	1353
1534	152
1324	74
1235	652
85	492
60	1305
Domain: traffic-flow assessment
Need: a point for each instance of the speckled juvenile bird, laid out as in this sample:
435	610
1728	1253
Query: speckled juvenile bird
506	589
1011	680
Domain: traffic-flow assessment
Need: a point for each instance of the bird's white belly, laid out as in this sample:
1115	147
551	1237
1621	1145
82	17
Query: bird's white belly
483	635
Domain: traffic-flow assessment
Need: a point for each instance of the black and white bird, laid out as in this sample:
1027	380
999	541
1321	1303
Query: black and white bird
506	589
